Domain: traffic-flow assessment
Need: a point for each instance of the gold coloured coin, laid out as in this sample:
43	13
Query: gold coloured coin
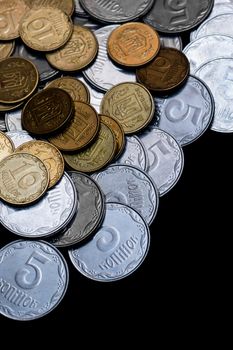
6	49
50	156
77	53
66	6
118	132
131	104
23	178
6	146
81	130
18	79
97	156
9	107
77	90
45	28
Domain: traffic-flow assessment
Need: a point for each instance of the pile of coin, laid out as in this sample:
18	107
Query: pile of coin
88	153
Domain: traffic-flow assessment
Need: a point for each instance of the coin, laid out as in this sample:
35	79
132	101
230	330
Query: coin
96	96
19	137
6	49
174	41
133	44
45	28
81	130
23	178
6	146
2	123
28	298
131	104
98	155
66	6
117	249
13	120
118	132
47	111
79	11
9	107
50	156
167	71
18	79
75	87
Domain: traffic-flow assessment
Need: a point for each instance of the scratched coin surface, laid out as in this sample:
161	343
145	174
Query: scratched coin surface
117	249
77	53
6	146
23	178
34	279
90	214
131	104
45	28
133	44
6	49
118	131
18	79
132	186
47	111
66	6
166	72
13	120
50	156
168	16
19	137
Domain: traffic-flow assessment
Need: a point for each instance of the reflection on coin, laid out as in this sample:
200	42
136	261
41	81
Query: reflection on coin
19	137
66	6
50	156
117	249
6	146
23	178
77	53
13	120
90	211
27	298
133	44
19	79
131	104
6	49
129	185
118	132
98	155
170	41
45	28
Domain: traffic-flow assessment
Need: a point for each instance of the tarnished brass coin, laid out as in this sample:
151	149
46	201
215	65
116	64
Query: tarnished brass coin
45	28
133	44
11	13
97	156
77	53
23	178
18	79
118	131
166	72
81	130
47	111
9	107
131	104
6	49
66	6
77	90
6	146
50	156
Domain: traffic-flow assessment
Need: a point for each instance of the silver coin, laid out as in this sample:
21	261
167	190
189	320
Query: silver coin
47	216
177	16
79	11
103	73
188	113
19	137
95	96
116	11
13	120
218	75
34	279
86	22
90	212
117	249
132	186
170	41
166	159
2	122
134	153
203	49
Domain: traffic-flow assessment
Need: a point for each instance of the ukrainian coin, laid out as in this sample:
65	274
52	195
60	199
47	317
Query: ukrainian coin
166	72
170	41
166	159
2	123
95	96
77	53
90	214
117	249
79	11
19	137
186	114
86	22
131	104
66	6
81	130
45	28
98	155
13	120
23	178
133	44
9	107
118	132
221	24
178	16
6	146
134	153
6	49
34	279
47	111
18	79
49	155
103	73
